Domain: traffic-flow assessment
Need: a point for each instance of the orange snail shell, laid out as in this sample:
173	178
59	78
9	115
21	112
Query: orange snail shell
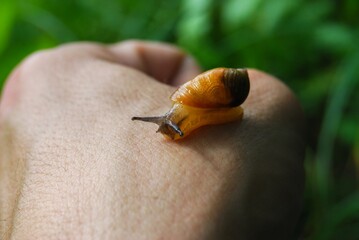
212	97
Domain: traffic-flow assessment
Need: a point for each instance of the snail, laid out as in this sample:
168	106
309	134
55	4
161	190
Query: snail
213	97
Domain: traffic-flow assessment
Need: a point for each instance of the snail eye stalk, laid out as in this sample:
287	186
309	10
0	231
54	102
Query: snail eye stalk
175	127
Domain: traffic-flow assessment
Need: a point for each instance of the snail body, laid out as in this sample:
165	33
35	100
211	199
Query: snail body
213	97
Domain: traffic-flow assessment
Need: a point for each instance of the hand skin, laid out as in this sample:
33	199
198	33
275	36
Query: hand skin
74	166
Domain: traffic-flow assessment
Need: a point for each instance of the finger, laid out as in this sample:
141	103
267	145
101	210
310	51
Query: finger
187	71
164	62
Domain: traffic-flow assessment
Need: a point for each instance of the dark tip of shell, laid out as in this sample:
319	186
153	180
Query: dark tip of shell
237	81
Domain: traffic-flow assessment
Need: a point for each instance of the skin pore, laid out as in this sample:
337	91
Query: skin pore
74	166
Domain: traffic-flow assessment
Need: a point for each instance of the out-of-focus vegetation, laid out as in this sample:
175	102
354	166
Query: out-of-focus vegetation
311	45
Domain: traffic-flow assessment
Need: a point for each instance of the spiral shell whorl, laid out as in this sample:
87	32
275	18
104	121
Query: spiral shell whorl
237	81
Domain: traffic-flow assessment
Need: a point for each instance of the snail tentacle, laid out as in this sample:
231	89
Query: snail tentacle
164	123
174	126
158	120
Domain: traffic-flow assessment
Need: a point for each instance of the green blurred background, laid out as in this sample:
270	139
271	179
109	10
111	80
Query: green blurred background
311	45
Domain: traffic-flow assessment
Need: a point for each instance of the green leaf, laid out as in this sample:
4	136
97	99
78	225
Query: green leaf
194	24
340	213
348	78
349	129
7	17
237	12
334	36
47	22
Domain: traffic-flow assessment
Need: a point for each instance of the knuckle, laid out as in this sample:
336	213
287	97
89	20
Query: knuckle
81	49
64	54
37	60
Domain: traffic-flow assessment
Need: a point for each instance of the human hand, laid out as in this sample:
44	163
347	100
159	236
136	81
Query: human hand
74	166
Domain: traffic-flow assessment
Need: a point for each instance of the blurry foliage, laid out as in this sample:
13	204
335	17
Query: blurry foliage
311	45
